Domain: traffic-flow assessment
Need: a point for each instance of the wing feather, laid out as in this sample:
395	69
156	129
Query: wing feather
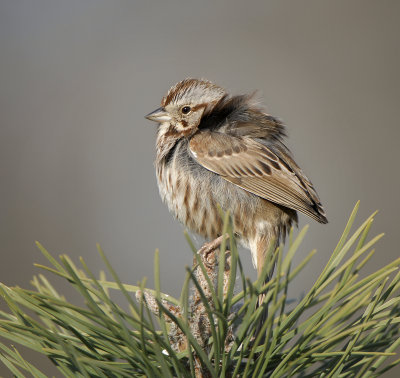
256	168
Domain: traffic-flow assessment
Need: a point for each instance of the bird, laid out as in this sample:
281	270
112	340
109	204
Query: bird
216	149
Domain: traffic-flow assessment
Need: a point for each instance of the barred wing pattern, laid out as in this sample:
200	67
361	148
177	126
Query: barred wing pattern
252	166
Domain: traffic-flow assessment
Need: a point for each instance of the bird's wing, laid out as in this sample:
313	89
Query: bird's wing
257	169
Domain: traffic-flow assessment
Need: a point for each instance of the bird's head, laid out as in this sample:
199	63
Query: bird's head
185	104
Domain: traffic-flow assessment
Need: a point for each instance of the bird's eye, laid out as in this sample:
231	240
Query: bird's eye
186	109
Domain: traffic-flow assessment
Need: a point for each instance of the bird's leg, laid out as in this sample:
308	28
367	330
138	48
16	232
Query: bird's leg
213	245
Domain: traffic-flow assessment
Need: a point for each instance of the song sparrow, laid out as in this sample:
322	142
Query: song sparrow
213	148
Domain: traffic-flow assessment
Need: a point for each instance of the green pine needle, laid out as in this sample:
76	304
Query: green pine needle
347	323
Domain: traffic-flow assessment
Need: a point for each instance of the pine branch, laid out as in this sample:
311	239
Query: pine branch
347	324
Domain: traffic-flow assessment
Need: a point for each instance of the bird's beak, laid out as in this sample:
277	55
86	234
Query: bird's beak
159	115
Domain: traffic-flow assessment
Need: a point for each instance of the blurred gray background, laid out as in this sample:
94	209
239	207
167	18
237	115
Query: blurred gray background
76	154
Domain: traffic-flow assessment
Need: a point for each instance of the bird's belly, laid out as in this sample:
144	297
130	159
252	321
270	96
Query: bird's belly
194	199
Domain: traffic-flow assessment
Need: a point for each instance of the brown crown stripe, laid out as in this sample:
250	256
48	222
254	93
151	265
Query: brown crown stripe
178	90
181	88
